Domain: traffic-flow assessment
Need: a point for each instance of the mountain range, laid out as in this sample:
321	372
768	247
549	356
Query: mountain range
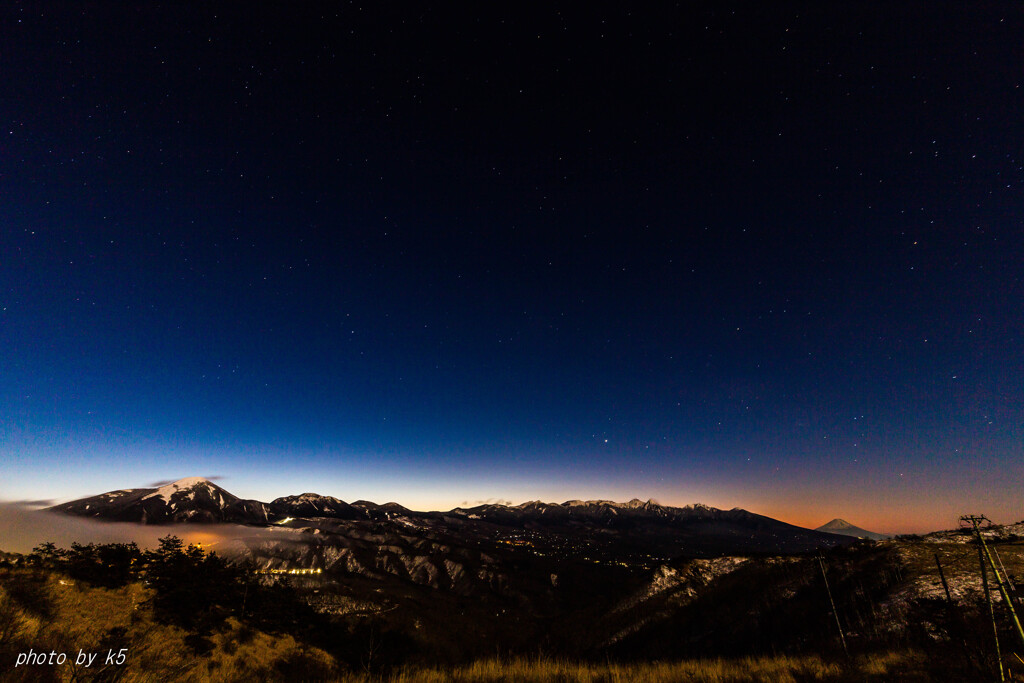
634	529
580	578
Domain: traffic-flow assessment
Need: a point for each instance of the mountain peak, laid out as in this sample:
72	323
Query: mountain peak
192	499
311	504
844	528
169	490
189	482
589	503
636	503
837	523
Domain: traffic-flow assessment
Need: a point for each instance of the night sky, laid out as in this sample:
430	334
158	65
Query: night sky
750	255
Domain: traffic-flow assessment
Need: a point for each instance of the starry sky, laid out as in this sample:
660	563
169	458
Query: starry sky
764	256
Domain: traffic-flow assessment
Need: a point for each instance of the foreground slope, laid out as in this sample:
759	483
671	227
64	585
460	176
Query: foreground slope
45	610
453	587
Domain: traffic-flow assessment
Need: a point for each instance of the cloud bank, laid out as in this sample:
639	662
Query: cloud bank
21	529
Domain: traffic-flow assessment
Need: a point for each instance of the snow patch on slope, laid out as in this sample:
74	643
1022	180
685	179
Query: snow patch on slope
169	490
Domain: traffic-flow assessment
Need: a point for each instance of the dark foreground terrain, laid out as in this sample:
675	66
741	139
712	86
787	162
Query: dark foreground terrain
181	613
311	587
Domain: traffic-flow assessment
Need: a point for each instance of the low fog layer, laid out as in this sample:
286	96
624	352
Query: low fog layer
21	529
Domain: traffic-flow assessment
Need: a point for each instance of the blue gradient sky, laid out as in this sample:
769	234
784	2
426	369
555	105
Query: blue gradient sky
745	256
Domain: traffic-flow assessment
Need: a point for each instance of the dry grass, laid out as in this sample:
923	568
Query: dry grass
71	616
783	669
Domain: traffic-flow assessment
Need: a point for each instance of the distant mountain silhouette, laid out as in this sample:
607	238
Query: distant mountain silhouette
844	528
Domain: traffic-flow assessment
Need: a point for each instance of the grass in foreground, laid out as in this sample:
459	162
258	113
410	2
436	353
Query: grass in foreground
47	610
903	666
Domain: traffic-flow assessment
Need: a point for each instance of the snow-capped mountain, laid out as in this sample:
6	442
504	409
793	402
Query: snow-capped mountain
315	505
635	528
844	528
196	499
659	529
193	499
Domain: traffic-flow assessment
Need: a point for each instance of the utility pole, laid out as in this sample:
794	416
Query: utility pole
835	613
982	546
942	577
956	618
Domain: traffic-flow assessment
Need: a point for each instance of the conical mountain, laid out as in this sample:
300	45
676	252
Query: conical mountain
193	499
844	528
